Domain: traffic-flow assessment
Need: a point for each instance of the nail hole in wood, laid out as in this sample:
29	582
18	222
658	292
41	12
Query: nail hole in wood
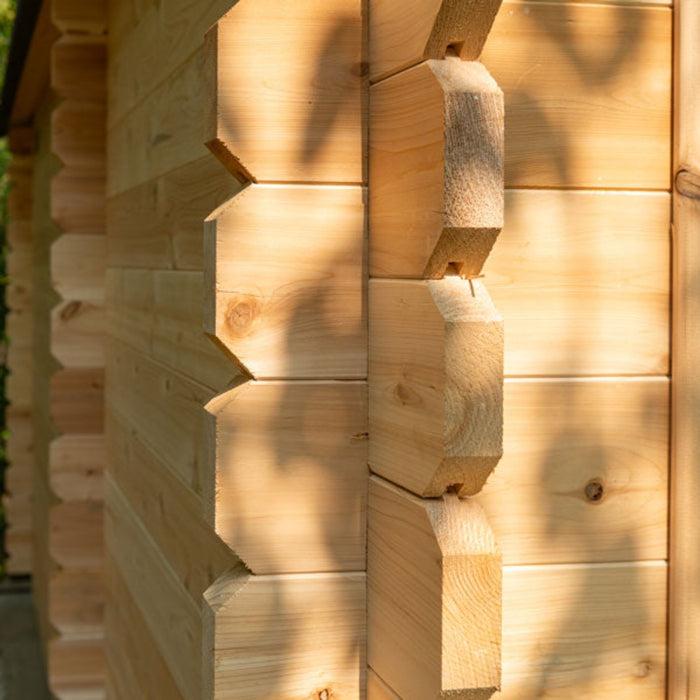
454	269
455	488
454	50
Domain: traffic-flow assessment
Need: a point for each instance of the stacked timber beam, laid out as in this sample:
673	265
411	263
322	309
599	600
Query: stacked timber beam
435	353
284	279
76	455
19	360
684	630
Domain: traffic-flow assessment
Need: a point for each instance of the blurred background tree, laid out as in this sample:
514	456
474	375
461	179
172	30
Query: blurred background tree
7	18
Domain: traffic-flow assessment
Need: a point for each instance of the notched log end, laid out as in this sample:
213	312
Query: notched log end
461	252
461	27
464	476
231	162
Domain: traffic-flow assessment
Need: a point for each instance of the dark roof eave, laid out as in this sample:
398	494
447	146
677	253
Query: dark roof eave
22	33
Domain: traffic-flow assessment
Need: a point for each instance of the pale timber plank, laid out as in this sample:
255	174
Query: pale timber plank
284	281
135	667
434	578
76	605
76	667
377	689
297	115
172	238
170	510
684	645
158	136
78	201
435	384
161	36
588	94
584	473
436	170
76	467
595	632
160	314
78	133
75	534
289	489
78	267
161	599
581	279
78	66
402	34
77	333
164	406
76	403
285	637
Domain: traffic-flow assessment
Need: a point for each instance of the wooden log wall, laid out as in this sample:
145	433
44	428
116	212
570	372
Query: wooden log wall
684	634
18	500
70	267
436	198
580	274
286	484
161	553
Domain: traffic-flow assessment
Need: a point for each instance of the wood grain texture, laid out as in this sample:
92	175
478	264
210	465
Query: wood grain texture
584	631
284	281
297	116
405	33
435	384
582	282
287	637
588	94
77	465
75	534
168	508
291	475
162	600
77	602
159	313
78	201
77	400
135	665
159	224
78	133
436	170
684	636
77	668
434	595
584	473
377	689
78	65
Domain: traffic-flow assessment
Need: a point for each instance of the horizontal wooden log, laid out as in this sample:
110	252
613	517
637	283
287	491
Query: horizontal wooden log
284	281
168	508
377	689
434	595
584	473
295	116
172	236
160	314
435	384
291	475
78	133
76	667
587	93
75	534
78	265
436	170
78	334
402	34
77	403
581	279
162	601
135	664
78	201
164	405
565	625
76	464
76	602
78	65
285	637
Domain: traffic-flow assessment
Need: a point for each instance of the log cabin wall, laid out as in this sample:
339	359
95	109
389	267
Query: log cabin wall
580	274
161	553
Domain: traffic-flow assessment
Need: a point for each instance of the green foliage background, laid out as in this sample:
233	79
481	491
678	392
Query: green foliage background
7	17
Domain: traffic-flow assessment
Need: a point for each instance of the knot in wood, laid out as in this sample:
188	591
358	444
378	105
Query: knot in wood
242	312
406	396
70	310
594	491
